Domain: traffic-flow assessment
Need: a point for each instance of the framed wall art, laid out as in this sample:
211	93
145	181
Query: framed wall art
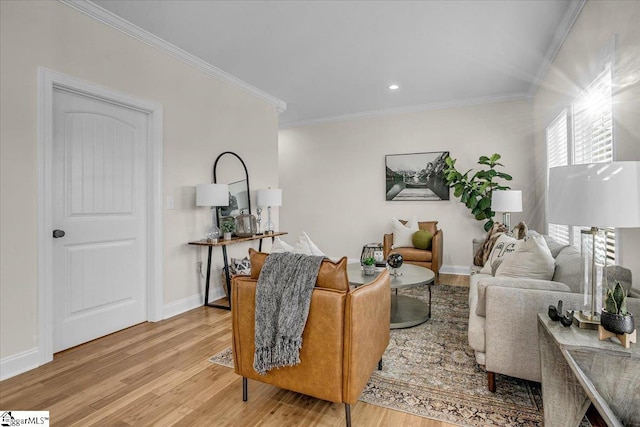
416	176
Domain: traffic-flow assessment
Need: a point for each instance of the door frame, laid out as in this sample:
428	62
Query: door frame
48	80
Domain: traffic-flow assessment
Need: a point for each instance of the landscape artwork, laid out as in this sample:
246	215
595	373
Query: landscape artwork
416	176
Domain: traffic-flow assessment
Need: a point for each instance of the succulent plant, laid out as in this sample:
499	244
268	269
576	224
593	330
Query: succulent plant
369	261
616	300
228	226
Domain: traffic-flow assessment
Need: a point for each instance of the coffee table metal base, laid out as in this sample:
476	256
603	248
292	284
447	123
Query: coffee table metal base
407	311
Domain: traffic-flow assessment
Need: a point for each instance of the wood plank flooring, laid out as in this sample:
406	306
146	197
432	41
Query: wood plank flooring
159	374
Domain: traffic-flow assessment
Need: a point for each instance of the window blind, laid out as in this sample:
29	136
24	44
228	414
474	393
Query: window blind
558	155
592	120
584	136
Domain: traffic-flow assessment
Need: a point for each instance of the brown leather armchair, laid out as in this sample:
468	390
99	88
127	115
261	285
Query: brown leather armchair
346	333
425	258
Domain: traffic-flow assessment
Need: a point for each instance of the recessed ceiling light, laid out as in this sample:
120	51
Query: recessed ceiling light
394	87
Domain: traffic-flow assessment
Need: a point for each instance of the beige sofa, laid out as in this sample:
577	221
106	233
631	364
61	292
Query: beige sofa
502	313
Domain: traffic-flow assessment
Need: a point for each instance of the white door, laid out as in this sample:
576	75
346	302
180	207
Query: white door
99	202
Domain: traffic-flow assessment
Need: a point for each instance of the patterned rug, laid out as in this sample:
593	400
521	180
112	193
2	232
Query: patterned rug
430	370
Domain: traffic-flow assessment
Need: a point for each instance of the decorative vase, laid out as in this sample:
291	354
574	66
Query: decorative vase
227	235
617	323
369	270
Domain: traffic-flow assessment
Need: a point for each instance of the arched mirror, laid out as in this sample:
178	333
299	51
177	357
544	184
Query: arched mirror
229	168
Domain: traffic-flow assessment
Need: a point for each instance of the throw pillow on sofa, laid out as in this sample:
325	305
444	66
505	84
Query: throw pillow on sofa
505	245
531	259
421	239
279	246
402	233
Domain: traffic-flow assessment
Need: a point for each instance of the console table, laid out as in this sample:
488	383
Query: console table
224	244
578	369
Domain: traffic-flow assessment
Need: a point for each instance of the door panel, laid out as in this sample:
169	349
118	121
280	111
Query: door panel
99	200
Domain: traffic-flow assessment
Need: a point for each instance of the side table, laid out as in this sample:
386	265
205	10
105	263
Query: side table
224	244
578	369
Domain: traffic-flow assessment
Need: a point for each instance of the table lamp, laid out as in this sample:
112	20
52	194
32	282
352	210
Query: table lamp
506	201
597	195
268	197
213	195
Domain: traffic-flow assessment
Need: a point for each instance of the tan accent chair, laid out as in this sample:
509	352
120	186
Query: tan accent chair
431	259
346	333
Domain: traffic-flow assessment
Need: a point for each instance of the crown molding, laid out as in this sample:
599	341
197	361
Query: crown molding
560	36
100	14
410	109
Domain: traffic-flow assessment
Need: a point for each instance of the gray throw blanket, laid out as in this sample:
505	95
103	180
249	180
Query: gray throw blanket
283	296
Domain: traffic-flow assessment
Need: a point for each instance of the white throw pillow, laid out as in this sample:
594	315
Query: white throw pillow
532	259
306	246
403	234
504	246
279	246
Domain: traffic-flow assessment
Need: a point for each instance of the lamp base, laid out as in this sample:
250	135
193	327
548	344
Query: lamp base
584	321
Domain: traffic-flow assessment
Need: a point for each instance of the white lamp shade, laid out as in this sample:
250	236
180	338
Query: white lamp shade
269	197
506	201
595	195
212	195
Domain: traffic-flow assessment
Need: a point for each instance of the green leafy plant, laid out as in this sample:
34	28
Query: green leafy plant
228	226
616	300
475	190
369	261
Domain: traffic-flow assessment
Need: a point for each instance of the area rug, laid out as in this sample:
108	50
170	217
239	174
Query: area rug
430	370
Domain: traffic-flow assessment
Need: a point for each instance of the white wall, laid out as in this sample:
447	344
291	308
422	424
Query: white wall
333	175
576	64
203	117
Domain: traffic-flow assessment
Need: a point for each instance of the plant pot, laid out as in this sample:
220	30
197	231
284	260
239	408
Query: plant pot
617	323
227	236
369	270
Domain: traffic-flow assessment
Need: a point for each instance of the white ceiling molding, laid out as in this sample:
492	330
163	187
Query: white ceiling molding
558	40
410	109
94	11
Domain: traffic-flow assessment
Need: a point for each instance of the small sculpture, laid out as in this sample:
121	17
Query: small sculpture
395	260
555	314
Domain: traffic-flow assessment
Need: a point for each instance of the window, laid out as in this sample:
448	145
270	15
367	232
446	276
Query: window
584	134
558	155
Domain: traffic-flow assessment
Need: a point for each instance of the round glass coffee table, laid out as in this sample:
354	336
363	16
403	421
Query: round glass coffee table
406	311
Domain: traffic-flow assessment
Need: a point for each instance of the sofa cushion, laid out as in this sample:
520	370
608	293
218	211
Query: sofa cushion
332	275
403	232
504	246
554	246
531	259
413	254
483	250
280	246
568	268
508	282
305	246
421	239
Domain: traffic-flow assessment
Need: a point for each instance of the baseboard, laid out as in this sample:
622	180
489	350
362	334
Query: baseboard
462	270
16	364
189	303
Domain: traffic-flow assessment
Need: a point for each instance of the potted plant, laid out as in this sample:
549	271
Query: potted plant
369	266
475	191
228	227
615	317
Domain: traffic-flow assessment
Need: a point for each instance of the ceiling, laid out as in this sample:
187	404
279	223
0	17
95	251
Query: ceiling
330	60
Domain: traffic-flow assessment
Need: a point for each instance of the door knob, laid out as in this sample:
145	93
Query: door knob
58	233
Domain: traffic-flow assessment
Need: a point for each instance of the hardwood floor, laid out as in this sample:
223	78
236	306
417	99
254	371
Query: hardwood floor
159	374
